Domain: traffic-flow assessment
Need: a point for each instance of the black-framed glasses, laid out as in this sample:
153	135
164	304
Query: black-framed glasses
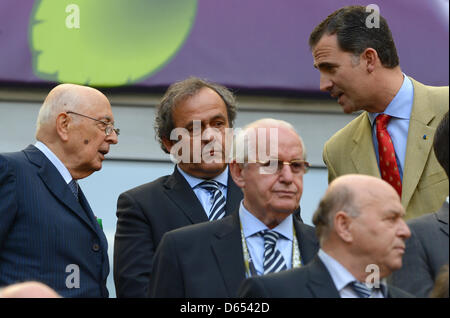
297	165
109	128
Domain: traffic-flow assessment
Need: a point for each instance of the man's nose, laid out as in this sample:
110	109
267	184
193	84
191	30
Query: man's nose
286	174
325	83
404	230
112	138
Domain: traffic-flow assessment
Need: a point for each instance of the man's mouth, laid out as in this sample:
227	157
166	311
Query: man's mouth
103	153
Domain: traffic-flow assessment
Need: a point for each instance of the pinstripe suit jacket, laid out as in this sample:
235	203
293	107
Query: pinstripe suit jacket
43	229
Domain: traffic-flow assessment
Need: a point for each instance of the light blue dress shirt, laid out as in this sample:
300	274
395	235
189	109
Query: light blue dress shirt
400	110
204	196
251	225
55	160
342	277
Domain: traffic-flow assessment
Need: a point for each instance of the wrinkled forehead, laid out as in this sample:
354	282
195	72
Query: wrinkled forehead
275	142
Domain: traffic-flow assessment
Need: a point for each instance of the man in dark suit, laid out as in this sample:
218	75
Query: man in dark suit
212	259
392	138
427	249
48	232
361	231
200	112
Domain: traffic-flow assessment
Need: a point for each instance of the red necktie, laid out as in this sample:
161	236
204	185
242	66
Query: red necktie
386	152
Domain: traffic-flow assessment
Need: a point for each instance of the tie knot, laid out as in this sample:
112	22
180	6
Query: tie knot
361	289
382	121
270	237
210	185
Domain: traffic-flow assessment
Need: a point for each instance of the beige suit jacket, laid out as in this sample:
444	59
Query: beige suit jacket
425	184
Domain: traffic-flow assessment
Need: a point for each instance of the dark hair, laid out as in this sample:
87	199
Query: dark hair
177	93
440	143
349	25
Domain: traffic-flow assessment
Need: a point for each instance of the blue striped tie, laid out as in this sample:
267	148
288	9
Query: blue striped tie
217	210
73	185
273	260
361	289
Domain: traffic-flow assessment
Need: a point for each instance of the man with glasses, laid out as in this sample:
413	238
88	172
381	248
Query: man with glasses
213	259
48	232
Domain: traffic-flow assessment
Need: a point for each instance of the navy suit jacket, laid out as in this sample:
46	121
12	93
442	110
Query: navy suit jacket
425	254
45	234
206	260
144	215
310	281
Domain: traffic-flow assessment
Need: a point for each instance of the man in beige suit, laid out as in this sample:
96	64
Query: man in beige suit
359	66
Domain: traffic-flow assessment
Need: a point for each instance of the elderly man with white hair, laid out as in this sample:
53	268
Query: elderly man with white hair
262	236
48	232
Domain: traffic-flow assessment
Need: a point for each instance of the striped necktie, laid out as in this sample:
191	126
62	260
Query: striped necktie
273	260
363	291
73	185
217	210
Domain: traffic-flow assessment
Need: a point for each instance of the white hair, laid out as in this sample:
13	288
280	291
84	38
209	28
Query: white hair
243	144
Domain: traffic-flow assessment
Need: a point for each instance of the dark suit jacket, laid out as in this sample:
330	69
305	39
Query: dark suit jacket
43	229
144	215
206	260
426	252
310	281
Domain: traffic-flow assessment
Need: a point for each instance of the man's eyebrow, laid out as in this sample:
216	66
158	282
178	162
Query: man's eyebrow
107	119
324	65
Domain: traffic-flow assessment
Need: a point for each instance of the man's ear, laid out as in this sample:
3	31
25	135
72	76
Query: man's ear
342	223
62	126
370	58
237	171
167	143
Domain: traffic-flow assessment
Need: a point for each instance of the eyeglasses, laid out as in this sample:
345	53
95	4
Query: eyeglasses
109	128
297	166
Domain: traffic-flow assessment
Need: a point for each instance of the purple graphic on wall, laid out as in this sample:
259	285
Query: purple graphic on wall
251	44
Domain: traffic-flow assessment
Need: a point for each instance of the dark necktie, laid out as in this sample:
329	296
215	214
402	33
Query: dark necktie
217	210
273	260
73	185
386	153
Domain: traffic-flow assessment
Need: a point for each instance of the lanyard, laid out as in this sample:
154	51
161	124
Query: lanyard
250	268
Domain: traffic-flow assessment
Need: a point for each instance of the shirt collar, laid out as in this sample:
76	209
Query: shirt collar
55	160
251	225
340	275
401	105
193	181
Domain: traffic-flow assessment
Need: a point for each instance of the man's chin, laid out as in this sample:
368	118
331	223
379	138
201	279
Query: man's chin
203	170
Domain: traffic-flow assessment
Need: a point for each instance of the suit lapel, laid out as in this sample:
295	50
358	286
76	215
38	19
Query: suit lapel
308	245
56	184
442	216
363	153
234	196
179	191
417	148
320	282
227	249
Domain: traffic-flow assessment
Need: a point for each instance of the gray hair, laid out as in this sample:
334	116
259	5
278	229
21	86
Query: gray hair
177	93
338	198
242	144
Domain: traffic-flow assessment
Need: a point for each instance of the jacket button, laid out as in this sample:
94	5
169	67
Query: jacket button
95	247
